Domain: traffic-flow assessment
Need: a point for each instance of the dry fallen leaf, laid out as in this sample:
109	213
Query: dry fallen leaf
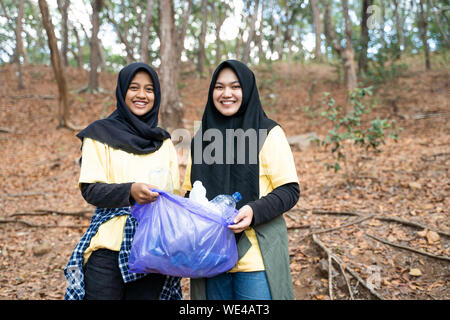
41	249
391	238
422	233
415	272
432	237
415	185
374	223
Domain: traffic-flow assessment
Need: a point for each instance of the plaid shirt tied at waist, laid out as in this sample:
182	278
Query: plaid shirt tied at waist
74	268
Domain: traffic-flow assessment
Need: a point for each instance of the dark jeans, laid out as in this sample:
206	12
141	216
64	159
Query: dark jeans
103	280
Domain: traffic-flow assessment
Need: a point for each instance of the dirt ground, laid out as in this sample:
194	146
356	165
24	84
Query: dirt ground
43	215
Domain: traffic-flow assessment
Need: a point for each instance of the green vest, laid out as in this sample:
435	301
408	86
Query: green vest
273	242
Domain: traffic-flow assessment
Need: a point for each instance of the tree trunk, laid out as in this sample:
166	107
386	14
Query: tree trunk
346	53
58	69
399	26
179	37
424	31
19	44
63	7
146	31
219	17
349	57
171	108
79	55
201	56
362	59
238	44
288	31
261	53
93	84
317	29
279	45
251	33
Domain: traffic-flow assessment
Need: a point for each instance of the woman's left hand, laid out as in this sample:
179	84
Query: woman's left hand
242	220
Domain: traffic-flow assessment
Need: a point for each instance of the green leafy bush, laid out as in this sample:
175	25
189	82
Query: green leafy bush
347	127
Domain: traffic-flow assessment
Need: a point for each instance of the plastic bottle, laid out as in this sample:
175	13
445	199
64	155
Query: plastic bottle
226	204
198	193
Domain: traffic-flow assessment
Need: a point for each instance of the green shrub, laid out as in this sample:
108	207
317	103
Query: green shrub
347	127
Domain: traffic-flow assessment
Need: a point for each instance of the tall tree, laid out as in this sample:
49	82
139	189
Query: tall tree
181	31
93	84
19	43
261	53
346	53
251	33
423	23
58	69
317	29
293	10
201	56
219	13
79	53
399	26
63	7
145	34
364	40
171	108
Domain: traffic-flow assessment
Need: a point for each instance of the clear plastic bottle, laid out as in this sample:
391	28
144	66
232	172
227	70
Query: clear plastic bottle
198	193
226	204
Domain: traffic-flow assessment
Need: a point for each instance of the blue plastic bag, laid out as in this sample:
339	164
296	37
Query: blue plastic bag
179	237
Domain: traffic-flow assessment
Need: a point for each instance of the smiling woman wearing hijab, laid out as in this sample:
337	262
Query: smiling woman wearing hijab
123	157
269	186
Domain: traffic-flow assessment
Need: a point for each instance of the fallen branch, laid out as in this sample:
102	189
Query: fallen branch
337	213
411	224
384	218
43	212
330	277
65	213
305	226
431	115
24	194
347	282
34	96
429	158
6	130
32	225
343	226
409	248
340	227
350	270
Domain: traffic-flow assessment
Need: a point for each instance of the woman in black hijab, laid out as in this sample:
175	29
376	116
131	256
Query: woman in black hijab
238	148
123	157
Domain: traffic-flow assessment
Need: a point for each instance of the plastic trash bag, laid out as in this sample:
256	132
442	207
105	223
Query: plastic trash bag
179	237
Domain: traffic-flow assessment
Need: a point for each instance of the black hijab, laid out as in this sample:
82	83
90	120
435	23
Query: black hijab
123	129
223	178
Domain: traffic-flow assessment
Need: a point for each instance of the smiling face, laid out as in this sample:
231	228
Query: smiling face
140	96
227	93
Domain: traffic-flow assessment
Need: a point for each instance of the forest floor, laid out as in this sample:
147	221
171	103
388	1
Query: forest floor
399	196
